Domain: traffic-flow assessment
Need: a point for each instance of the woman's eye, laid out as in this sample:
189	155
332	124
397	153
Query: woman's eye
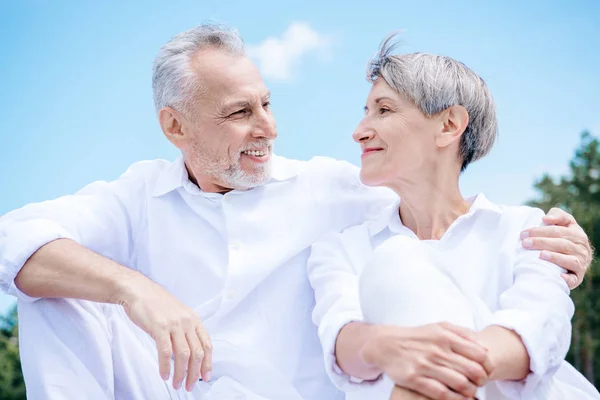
383	110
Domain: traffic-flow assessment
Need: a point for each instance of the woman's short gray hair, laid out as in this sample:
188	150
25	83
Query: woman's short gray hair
434	83
174	82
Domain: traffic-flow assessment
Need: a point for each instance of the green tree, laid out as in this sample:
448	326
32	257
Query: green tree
579	193
12	386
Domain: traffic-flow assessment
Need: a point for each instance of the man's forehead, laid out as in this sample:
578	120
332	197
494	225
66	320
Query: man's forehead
228	78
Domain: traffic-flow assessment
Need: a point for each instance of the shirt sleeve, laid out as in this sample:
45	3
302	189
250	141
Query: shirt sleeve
335	284
100	217
539	309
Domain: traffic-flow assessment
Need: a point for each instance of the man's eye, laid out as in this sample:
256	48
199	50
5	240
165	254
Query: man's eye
266	104
238	113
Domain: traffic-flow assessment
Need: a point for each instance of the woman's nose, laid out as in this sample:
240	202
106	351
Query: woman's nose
362	132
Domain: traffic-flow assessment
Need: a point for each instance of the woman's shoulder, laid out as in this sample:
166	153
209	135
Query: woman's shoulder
521	216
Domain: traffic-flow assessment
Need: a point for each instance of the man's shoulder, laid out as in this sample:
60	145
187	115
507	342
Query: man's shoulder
139	178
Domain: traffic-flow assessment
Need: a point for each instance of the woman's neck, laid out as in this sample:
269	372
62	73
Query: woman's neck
430	204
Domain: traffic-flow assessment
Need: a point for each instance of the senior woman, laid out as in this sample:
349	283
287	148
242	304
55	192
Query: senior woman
436	264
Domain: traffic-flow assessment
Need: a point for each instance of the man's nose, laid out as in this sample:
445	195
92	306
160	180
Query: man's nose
265	125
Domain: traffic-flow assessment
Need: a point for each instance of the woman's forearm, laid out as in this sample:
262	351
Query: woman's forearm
350	343
506	351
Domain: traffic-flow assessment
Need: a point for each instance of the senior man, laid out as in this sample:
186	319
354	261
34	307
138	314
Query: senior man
196	268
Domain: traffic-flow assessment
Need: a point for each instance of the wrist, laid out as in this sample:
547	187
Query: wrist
124	287
372	353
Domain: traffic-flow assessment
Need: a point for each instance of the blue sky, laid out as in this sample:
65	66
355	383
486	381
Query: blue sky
76	104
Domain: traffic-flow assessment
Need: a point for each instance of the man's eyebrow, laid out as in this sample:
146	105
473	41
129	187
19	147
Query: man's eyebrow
240	104
235	105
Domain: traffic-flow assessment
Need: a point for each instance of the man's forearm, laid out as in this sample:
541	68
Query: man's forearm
507	352
65	269
350	344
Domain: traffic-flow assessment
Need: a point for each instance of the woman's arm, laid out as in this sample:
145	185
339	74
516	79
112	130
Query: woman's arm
507	353
356	353
537	308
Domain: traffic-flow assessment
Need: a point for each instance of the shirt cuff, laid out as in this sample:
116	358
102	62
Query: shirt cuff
543	350
328	333
18	241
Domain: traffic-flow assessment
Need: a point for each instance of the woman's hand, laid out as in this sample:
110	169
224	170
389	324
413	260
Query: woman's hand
440	361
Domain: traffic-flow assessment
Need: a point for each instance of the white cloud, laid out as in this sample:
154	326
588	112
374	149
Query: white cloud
278	57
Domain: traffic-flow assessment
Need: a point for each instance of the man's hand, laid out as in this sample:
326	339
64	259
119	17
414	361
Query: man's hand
175	328
563	242
439	361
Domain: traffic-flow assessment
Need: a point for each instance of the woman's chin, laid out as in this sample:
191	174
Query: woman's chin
370	179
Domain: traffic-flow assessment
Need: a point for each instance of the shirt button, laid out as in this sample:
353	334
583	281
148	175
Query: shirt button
231	294
235	246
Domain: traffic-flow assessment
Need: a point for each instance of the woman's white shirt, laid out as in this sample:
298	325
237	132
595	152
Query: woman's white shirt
482	252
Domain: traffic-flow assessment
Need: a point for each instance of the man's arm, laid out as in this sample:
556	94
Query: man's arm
66	269
78	246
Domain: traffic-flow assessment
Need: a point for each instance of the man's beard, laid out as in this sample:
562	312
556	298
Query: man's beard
228	172
236	178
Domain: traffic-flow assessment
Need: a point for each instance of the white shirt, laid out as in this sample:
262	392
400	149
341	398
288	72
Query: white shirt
483	251
238	259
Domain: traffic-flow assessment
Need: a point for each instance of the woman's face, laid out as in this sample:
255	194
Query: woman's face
397	140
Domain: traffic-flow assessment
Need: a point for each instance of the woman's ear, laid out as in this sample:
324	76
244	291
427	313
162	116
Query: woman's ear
454	122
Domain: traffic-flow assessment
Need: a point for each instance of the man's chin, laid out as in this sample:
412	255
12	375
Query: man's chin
247	181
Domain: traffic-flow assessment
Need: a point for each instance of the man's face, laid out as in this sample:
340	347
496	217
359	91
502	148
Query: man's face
230	129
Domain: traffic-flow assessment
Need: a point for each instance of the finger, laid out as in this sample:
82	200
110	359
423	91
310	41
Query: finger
400	393
452	379
474	371
473	352
165	351
197	354
208	349
572	281
556	245
569	262
559	217
433	389
460	331
551	231
574	234
181	350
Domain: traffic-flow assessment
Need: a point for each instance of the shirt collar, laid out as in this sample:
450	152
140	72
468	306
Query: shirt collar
389	217
175	176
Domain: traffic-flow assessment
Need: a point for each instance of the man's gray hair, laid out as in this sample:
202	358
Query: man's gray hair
174	82
434	83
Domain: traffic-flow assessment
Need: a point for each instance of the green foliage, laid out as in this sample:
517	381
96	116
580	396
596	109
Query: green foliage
579	194
11	378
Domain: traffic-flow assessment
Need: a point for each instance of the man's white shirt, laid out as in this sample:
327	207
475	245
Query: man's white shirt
238	259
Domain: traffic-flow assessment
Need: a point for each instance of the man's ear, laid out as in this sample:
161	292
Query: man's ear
171	122
454	122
